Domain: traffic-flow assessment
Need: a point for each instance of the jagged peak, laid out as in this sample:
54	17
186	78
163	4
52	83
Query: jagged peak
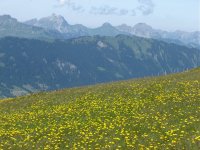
124	27
58	19
107	24
7	17
142	25
57	16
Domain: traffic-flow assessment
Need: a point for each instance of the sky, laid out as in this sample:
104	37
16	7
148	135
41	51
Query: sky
167	15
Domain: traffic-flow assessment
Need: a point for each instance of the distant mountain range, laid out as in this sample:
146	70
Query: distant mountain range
49	53
30	65
191	39
11	27
56	27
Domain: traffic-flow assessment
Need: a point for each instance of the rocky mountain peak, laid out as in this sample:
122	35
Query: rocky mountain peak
106	24
57	19
124	27
143	26
5	18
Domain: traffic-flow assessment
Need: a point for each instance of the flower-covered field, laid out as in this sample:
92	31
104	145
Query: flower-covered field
152	113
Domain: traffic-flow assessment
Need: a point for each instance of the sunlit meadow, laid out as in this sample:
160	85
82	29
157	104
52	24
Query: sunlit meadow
152	113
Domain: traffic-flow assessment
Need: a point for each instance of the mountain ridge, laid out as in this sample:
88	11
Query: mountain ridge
31	65
12	27
56	27
191	39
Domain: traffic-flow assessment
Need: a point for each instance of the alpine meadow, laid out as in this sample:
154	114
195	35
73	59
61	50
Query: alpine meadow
151	113
99	75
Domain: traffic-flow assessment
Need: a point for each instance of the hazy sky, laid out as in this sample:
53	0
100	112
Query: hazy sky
161	14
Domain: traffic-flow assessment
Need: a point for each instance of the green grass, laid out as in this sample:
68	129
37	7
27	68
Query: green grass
151	113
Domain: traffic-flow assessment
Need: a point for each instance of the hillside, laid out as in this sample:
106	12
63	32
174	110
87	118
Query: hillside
151	113
33	65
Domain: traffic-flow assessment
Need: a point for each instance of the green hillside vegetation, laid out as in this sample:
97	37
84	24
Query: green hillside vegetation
28	65
151	113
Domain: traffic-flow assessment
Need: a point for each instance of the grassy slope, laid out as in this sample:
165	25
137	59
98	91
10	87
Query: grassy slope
154	113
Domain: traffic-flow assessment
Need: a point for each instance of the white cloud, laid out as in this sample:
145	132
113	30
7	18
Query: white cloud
145	7
104	10
62	2
107	10
123	12
72	5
